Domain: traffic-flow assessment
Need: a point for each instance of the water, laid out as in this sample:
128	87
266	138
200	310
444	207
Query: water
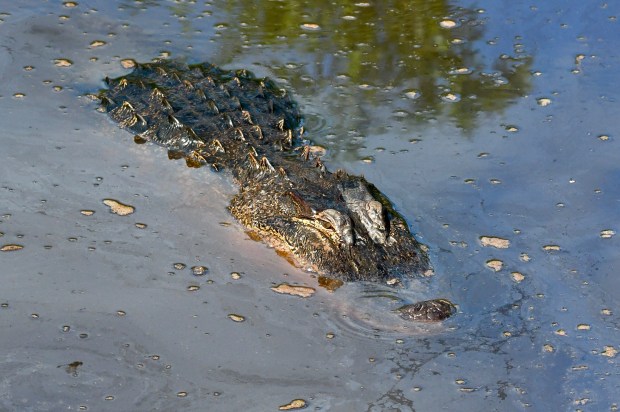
487	119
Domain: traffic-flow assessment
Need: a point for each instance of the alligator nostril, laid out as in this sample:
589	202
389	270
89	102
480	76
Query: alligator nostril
434	310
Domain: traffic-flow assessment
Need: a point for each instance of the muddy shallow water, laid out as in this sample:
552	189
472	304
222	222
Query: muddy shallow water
488	119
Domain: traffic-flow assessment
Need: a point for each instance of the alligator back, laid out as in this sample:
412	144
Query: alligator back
335	224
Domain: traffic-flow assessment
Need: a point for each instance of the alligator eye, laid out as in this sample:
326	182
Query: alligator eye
338	223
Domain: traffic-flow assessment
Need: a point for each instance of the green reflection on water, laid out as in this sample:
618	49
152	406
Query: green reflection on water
406	46
413	59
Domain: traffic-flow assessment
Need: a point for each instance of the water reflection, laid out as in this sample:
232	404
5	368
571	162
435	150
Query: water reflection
420	59
430	54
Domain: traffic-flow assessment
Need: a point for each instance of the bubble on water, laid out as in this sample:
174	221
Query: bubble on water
517	277
609	351
607	233
179	266
11	247
583	326
118	208
87	212
548	348
451	97
447	24
310	27
236	318
412	94
235	275
543	101
97	43
460	70
294	290
63	62
193	288
128	63
511	128
551	248
182	394
496	242
199	270
495	264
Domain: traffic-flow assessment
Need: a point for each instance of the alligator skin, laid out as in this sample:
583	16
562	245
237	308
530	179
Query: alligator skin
334	224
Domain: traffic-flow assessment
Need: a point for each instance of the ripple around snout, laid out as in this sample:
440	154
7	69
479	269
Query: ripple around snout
367	311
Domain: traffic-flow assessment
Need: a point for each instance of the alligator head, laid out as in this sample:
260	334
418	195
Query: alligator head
334	224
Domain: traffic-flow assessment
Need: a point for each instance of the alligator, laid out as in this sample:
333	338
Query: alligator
335	224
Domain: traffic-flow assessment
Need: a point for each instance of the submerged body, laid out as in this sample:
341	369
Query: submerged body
335	224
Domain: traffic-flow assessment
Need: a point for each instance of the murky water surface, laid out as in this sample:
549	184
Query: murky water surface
493	118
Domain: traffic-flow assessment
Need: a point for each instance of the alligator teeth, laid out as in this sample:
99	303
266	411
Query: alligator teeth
156	94
201	94
193	134
253	162
245	115
258	131
139	119
122	84
239	134
305	152
289	137
227	120
166	103
127	105
236	104
218	146
213	107
106	101
195	159
266	165
188	85
280	125
174	121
